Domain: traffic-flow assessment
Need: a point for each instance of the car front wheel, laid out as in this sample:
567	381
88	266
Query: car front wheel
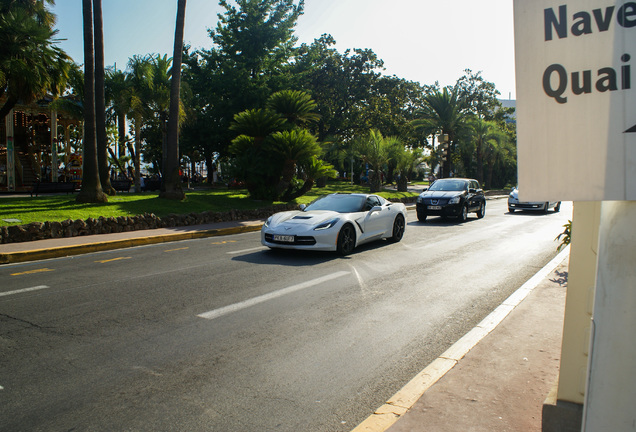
398	228
346	240
482	210
557	207
463	217
421	216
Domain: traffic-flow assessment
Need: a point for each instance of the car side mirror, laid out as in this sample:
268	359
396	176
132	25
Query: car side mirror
302	207
472	190
425	189
376	209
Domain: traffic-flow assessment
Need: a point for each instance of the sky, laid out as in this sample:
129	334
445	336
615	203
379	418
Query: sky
426	41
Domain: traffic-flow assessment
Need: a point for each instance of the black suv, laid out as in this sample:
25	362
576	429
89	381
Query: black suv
451	197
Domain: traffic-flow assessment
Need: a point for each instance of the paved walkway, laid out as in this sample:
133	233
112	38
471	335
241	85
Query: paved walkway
498	376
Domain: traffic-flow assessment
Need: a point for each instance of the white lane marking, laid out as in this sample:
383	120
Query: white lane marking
35	288
246	250
266	297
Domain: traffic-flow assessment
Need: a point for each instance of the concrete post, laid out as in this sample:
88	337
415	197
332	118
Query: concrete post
611	388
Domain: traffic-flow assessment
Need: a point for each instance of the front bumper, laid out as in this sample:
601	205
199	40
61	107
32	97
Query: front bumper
450	210
301	242
536	206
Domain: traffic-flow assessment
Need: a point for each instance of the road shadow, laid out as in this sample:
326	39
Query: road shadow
440	221
304	258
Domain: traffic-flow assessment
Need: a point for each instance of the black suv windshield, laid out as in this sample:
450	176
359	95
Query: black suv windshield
449	185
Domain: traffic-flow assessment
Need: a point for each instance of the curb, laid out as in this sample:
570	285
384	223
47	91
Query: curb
402	401
62	251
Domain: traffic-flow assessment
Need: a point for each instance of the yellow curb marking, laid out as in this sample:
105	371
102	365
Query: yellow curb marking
32	272
114	259
178	249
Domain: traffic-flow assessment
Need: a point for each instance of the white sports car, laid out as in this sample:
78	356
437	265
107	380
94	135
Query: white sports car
336	222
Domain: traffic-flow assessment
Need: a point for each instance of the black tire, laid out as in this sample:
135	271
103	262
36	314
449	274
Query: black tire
557	208
546	208
346	240
482	210
421	216
463	216
399	226
511	210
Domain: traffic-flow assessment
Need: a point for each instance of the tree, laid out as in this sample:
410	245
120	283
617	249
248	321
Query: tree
171	185
140	80
91	191
273	154
374	150
442	113
30	62
252	43
100	104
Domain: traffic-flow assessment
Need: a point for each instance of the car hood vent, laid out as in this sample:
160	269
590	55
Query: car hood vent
302	217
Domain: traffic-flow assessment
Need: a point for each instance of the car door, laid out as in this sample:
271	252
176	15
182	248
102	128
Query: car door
474	195
375	218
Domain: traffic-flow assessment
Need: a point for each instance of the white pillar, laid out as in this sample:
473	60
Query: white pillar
611	391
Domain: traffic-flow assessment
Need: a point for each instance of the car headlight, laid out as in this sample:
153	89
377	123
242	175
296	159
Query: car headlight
420	199
455	199
326	225
268	221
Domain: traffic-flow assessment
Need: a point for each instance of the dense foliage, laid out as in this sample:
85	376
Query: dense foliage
311	109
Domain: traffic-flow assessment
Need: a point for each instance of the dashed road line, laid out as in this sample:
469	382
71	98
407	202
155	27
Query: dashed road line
112	259
23	290
216	313
32	272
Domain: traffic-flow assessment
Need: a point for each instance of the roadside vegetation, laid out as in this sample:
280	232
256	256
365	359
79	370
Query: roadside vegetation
56	208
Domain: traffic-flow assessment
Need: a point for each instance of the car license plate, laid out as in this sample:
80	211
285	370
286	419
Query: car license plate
284	238
434	207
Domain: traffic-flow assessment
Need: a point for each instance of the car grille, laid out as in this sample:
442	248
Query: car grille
300	240
435	201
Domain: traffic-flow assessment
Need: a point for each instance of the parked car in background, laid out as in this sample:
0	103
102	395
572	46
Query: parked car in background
451	197
336	222
541	206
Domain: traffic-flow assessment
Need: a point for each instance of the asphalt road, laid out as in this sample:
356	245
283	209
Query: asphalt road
220	334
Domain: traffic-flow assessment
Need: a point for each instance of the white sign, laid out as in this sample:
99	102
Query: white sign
576	99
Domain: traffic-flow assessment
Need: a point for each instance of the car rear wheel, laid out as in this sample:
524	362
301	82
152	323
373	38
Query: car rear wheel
482	210
546	207
398	228
346	240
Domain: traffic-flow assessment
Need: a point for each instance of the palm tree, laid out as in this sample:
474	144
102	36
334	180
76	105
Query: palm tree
100	104
30	63
117	91
294	147
91	190
297	107
483	133
374	150
442	113
140	85
171	185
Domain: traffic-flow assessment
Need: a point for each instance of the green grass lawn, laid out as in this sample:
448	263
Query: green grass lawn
61	207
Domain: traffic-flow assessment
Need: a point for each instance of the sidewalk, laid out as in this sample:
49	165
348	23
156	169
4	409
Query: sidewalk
495	379
67	246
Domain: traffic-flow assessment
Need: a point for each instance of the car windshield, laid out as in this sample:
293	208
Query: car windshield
449	185
338	203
